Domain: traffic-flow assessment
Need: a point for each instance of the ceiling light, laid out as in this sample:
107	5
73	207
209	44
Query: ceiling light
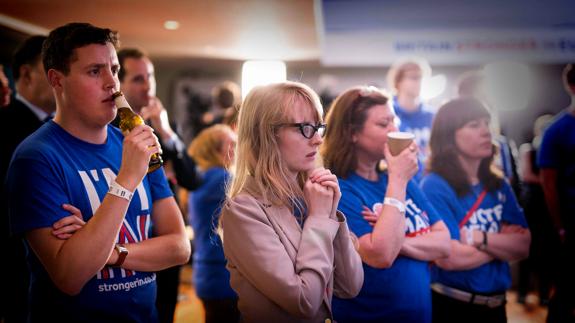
171	25
432	87
256	73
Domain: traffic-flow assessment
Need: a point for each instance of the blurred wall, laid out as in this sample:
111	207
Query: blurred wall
175	76
548	96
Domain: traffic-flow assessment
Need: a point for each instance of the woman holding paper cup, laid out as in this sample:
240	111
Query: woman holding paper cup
399	232
486	223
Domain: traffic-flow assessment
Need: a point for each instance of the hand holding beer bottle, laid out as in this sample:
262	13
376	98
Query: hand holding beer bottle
128	121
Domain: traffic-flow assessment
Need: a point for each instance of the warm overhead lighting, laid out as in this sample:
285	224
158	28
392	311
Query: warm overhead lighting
509	85
256	73
171	25
432	87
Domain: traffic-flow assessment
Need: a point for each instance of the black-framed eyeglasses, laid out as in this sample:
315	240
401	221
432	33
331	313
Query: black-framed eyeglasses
307	130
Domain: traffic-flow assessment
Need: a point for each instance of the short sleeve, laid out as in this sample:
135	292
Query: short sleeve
159	186
35	195
442	198
352	206
549	154
424	203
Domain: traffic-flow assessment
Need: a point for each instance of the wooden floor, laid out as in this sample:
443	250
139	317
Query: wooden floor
189	309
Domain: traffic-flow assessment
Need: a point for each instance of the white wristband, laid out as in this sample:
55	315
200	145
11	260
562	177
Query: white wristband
120	191
395	203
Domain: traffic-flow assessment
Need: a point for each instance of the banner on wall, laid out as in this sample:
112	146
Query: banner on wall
445	32
371	48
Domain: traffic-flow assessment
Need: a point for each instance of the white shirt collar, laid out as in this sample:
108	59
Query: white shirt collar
41	114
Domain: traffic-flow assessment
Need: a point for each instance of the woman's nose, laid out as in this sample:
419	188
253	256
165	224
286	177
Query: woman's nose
485	129
316	139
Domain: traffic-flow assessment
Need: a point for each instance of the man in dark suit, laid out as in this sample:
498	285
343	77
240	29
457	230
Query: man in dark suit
33	104
138	83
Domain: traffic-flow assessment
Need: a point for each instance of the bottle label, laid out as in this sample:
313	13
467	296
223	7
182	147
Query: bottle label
121	101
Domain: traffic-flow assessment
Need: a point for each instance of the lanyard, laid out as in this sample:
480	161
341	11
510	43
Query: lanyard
473	208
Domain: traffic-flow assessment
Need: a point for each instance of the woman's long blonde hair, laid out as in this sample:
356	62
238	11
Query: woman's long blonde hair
206	148
257	153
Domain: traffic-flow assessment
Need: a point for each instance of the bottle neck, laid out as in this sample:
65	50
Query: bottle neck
121	102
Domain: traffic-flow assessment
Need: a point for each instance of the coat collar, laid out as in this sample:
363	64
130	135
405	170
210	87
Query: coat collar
285	224
281	217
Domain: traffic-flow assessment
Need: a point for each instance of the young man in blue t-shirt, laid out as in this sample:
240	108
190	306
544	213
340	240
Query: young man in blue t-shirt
405	78
556	159
104	272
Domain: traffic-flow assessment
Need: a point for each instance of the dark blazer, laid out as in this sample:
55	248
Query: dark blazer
17	122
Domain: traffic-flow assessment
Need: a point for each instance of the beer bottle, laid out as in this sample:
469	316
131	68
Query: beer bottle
128	121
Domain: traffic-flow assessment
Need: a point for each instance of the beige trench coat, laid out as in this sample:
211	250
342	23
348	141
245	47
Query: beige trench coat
281	272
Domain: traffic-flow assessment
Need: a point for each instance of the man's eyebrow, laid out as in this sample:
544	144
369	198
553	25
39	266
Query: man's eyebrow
98	65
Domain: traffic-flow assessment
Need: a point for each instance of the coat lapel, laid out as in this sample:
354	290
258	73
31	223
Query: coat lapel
282	219
289	231
287	224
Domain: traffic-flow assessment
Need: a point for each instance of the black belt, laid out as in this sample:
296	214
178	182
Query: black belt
489	301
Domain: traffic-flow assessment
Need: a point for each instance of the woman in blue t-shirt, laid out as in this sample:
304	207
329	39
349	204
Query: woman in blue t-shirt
487	225
399	232
213	151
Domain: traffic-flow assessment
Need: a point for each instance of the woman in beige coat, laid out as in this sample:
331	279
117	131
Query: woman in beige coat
288	248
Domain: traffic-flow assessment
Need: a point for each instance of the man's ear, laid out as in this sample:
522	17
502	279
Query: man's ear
25	71
55	78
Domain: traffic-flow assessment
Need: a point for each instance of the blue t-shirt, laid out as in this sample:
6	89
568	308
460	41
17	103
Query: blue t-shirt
498	207
419	123
50	168
400	293
558	151
211	278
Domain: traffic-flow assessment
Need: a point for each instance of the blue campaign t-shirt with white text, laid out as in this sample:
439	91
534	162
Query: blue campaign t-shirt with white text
498	207
50	168
400	293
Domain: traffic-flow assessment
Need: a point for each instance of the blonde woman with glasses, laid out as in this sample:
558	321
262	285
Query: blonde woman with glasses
288	249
